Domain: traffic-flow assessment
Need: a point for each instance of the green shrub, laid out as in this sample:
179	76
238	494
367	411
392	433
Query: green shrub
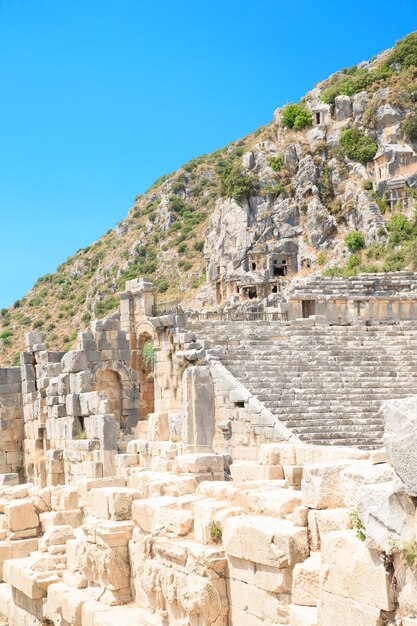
357	525
410	126
86	318
276	162
404	52
321	258
326	191
148	354
215	532
161	285
199	246
400	229
367	184
355	241
37	324
357	146
235	184
353	262
394	261
296	116
350	82
105	306
376	251
182	248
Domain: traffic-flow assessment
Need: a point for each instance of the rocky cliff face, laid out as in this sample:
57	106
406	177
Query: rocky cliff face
276	204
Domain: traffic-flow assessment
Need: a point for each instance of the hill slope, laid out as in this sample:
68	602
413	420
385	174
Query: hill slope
297	186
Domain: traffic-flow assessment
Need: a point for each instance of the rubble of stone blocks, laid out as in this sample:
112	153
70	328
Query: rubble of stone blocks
303	535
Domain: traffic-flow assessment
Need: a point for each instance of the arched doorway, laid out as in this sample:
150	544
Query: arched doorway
146	375
109	382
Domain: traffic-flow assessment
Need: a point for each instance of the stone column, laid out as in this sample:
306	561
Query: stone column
198	426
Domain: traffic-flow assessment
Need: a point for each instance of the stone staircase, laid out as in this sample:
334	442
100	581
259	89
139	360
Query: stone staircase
325	383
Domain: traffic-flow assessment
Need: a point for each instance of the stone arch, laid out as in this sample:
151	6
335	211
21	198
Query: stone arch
145	334
115	380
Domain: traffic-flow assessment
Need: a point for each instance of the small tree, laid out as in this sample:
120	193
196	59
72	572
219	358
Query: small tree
355	241
296	116
357	146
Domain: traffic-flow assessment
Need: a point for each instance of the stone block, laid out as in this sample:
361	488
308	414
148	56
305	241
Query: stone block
172	522
303	615
305	584
387	516
198	463
321	485
270	541
277	454
349	567
243	471
143	511
21	515
61	518
400	425
74	361
332	607
64	499
257	603
273	502
56	536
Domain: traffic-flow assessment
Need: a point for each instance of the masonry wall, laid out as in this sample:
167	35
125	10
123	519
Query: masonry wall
11	419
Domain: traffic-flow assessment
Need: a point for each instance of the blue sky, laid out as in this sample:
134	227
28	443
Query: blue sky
101	97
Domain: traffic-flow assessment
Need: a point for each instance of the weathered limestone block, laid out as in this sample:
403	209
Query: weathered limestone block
352	570
265	540
273	502
277	454
112	502
251	605
56	536
172	522
243	471
158	427
74	361
303	615
326	521
305	585
199	463
333	607
19	574
310	455
321	485
15	550
61	518
21	515
64	499
387	516
362	473
211	514
143	511
400	425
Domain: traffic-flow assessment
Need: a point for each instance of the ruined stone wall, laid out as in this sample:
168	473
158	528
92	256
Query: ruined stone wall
11	420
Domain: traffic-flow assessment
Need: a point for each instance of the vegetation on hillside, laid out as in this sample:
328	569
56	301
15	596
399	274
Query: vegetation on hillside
163	235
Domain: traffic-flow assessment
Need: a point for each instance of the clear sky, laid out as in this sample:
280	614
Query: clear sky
101	97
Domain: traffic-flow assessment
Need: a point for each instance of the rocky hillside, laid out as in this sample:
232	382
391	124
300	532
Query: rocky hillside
304	184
